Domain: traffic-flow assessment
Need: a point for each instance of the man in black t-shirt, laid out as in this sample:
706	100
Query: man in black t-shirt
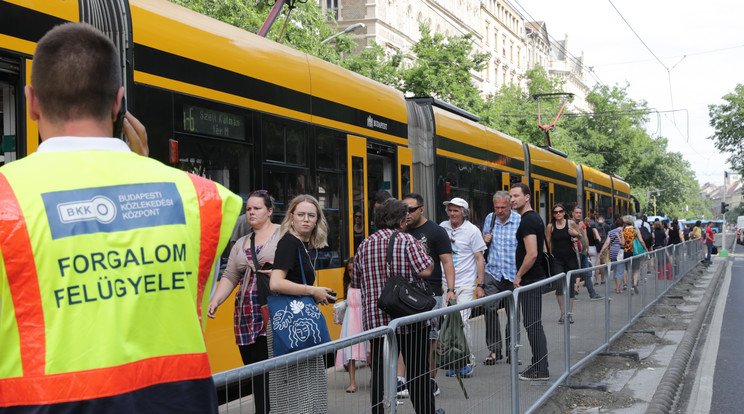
530	244
435	241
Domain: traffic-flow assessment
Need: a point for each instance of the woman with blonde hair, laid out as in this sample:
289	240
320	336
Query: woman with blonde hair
300	387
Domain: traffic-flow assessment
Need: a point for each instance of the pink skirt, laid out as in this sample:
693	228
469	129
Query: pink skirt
352	325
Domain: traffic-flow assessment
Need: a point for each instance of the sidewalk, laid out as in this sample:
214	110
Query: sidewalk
663	339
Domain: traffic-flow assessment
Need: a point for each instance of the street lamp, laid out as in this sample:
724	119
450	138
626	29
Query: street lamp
347	30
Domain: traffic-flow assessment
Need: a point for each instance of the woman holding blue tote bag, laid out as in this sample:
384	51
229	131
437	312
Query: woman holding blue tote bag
298	388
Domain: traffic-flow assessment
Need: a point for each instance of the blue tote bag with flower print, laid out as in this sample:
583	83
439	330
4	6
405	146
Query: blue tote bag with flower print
296	321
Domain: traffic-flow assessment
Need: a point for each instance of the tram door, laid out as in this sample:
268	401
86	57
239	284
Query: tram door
373	167
8	122
405	163
10	89
540	195
357	179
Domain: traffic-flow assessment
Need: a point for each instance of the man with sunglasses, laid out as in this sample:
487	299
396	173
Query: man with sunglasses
434	240
467	256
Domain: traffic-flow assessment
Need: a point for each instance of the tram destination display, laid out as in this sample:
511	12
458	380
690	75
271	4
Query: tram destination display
200	120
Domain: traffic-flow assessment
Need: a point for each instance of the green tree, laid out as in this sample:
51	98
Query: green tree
727	121
373	63
306	28
441	67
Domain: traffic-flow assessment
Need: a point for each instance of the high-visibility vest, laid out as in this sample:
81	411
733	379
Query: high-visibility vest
106	270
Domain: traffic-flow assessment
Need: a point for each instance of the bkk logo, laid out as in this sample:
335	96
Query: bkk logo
112	208
99	208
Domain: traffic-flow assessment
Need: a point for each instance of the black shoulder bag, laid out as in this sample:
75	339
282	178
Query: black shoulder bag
488	245
399	297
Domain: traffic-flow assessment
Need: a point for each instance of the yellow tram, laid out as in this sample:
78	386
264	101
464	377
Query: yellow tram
250	113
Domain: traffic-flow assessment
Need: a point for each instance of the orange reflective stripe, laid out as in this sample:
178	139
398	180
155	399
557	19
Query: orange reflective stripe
102	382
20	269
210	217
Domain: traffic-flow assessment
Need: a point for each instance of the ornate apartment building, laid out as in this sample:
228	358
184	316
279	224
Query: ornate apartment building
514	45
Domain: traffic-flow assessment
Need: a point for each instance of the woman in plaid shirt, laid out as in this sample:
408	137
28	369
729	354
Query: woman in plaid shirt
411	261
250	329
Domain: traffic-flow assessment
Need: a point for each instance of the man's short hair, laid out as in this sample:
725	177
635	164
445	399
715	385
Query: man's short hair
390	213
524	187
502	194
381	196
75	73
415	196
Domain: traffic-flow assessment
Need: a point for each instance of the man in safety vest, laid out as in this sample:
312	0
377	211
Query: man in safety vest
107	256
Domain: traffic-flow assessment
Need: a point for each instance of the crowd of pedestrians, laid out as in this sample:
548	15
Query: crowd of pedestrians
455	261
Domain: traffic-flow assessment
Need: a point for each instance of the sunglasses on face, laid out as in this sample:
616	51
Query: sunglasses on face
413	209
558	211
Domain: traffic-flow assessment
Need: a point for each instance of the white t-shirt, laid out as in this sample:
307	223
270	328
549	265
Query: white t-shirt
468	241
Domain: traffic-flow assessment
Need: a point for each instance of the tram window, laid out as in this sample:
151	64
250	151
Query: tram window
405	179
329	197
475	183
284	186
8	102
331	150
296	146
224	162
605	206
566	195
284	141
357	198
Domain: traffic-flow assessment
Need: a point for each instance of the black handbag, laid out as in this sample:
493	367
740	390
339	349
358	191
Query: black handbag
488	245
399	297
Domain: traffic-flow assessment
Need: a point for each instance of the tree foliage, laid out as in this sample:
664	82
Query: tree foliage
727	121
442	66
305	29
613	138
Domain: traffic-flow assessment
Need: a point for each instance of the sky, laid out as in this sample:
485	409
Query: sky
696	57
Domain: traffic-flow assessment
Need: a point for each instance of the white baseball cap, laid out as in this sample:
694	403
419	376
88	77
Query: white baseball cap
458	202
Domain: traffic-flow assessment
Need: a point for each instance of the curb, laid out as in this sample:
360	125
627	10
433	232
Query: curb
666	393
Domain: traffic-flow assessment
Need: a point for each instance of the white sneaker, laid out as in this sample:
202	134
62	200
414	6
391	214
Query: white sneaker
402	389
435	387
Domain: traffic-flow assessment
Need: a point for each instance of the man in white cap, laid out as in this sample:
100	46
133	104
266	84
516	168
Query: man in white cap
467	256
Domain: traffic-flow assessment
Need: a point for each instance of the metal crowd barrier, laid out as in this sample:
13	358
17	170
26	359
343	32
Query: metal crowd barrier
495	388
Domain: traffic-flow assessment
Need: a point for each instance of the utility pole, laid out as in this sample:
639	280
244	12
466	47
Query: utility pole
724	252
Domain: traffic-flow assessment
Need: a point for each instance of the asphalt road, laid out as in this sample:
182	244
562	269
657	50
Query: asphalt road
714	377
729	363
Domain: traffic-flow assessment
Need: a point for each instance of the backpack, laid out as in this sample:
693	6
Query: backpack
602	229
452	351
646	235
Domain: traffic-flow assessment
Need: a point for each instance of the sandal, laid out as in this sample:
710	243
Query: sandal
561	320
351	390
491	359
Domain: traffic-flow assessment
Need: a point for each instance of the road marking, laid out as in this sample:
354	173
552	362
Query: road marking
702	390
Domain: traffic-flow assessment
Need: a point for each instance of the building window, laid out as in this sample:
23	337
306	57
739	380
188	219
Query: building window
332	9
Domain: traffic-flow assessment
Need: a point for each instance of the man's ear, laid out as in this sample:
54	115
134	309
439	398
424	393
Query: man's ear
34	111
117	104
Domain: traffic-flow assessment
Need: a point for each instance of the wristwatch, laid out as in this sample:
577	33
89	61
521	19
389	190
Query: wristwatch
481	285
450	290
